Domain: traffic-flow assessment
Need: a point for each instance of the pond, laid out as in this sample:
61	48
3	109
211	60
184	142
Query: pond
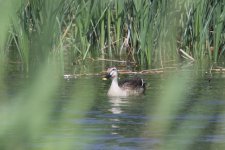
84	117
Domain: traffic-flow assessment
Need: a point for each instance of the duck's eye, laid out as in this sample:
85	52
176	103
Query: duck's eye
114	69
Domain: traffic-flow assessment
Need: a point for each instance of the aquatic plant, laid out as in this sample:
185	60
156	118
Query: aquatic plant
139	31
204	29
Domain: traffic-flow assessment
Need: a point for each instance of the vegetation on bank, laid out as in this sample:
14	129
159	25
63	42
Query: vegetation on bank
146	32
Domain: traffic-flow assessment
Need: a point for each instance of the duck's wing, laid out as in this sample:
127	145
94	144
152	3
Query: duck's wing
132	84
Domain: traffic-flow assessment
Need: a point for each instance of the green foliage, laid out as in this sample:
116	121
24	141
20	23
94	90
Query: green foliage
142	31
204	30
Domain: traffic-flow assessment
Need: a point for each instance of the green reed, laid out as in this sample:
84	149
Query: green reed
39	43
204	29
139	31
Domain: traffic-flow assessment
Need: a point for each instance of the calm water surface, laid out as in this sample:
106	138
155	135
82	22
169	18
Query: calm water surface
130	123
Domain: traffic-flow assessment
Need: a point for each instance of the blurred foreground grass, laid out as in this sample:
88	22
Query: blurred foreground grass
26	115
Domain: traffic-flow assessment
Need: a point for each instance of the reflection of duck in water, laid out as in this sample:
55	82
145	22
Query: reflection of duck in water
117	104
126	87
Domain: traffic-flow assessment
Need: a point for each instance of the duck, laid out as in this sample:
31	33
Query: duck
127	87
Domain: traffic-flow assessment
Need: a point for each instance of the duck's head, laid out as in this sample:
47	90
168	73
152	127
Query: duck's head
111	73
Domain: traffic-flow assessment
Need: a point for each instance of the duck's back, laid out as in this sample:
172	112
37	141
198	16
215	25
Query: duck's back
133	86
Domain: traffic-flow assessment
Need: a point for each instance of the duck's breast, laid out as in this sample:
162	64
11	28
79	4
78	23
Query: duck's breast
116	92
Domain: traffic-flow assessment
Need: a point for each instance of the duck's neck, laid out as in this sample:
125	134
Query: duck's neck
115	82
115	89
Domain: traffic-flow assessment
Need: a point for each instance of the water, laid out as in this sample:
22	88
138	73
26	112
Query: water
131	123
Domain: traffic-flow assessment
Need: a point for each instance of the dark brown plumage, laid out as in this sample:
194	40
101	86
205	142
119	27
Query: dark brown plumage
132	84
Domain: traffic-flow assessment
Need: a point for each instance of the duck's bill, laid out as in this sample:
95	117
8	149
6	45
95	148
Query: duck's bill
106	77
